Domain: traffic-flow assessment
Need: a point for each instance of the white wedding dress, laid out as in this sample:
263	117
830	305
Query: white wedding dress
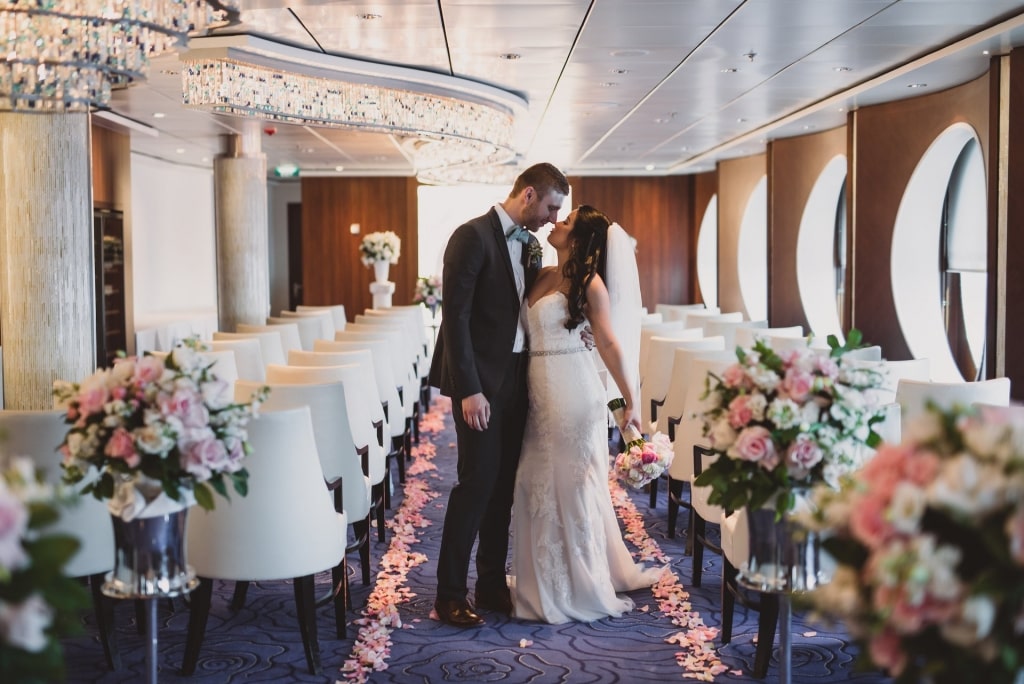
568	556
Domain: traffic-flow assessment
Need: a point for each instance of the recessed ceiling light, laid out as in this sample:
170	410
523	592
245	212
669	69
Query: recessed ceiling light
842	68
984	52
649	167
741	120
809	127
205	159
309	150
370	16
628	53
918	85
841	109
683	148
180	150
620	72
729	70
158	115
510	56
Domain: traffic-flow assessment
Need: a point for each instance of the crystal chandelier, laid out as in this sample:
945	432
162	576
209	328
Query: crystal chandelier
66	55
443	121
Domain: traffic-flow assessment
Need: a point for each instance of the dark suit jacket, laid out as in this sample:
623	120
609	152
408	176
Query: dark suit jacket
481	309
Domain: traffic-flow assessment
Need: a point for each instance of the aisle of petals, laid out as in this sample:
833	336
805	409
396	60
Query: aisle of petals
699	657
372	647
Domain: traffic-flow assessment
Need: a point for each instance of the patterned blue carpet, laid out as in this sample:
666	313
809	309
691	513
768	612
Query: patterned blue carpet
261	642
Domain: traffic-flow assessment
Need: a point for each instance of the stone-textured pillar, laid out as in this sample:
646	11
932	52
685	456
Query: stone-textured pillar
47	309
243	261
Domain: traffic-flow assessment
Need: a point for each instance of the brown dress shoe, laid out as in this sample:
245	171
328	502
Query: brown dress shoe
499	601
457	612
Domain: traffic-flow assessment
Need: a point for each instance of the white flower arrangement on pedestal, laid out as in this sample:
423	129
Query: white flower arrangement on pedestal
380	246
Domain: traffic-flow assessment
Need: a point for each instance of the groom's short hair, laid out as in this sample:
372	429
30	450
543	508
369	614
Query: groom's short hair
544	178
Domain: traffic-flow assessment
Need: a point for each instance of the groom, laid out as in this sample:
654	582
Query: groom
480	362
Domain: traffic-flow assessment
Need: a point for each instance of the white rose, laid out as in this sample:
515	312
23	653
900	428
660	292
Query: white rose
974	623
722	434
923	428
907	507
967	486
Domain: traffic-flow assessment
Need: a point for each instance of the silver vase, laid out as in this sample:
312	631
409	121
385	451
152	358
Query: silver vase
784	556
149	558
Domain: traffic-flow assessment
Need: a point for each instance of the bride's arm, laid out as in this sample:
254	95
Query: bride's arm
598	313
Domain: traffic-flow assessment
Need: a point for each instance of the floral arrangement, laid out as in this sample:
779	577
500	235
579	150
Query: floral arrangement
428	291
784	421
155	427
38	604
929	543
380	246
645	461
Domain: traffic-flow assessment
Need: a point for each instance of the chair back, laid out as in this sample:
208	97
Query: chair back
337	313
324	316
699	319
271	347
889	429
37	435
913	396
286	526
689	432
747	335
383	373
674	330
289	333
248	356
676	312
335	446
222	363
310	328
402	365
869	353
727	329
679	383
659	361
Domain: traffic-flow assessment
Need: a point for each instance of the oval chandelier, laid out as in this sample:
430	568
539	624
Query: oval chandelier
67	55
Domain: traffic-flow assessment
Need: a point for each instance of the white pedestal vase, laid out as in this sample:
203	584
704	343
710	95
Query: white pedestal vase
380	270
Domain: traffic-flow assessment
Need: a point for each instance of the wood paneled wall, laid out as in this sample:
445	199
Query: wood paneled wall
111	168
794	165
332	272
737	178
886	142
658	212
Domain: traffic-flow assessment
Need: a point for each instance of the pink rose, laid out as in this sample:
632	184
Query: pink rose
740	413
148	369
187	406
648	456
734	376
868	520
203	458
920	467
91	399
797	384
122	445
887	652
755	444
826	366
802	455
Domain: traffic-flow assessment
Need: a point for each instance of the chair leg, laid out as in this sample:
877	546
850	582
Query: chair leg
379	508
690	533
675	490
767	619
362	530
305	604
654	493
238	597
198	616
339	578
729	573
104	608
698	549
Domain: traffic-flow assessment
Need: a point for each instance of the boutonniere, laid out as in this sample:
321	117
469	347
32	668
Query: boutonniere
535	253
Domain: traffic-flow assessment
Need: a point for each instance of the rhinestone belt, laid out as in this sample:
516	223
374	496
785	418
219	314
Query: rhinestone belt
557	352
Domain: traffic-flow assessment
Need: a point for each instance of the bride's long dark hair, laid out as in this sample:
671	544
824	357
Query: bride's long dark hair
587	256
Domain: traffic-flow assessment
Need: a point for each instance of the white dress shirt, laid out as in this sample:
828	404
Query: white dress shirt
515	253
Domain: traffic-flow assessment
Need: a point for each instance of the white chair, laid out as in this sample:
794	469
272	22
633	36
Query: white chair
37	434
271	346
699	319
687	434
651	318
676	312
248	357
339	461
323	315
870	353
366	418
310	328
745	336
337	313
889	428
913	396
289	333
675	330
265	536
672	406
727	329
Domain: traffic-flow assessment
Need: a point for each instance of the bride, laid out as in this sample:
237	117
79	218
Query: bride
568	557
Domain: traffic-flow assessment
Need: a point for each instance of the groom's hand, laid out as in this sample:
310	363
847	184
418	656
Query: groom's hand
587	335
476	411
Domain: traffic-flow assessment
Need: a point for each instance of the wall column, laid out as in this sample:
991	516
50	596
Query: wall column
243	262
47	310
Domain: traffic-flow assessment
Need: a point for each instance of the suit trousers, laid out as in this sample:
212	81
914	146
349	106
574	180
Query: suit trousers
480	503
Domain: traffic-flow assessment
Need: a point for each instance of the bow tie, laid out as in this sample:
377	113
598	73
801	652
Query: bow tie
518	233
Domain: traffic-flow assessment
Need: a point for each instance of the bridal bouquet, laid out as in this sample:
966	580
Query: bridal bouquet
156	429
38	604
643	461
380	246
780	422
929	540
